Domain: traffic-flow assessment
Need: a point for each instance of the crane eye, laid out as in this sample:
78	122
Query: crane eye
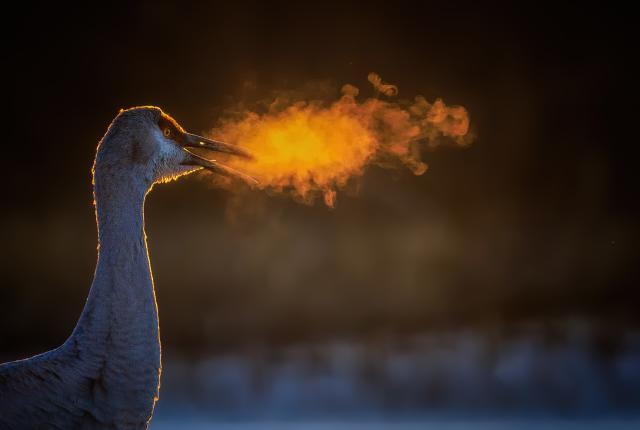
167	132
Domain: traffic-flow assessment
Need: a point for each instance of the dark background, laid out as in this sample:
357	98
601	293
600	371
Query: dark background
536	221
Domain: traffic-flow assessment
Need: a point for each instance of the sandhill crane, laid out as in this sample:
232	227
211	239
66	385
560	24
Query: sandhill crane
106	374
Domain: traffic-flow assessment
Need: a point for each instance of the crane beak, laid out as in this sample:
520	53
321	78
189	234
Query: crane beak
194	141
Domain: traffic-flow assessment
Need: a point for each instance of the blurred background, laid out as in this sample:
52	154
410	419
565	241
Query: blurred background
501	285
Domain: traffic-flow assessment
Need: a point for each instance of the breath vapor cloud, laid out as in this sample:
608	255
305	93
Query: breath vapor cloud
311	147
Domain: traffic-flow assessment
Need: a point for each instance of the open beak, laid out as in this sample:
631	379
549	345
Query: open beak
194	141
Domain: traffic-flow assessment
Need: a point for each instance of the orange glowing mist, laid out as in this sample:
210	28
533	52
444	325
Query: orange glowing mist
309	147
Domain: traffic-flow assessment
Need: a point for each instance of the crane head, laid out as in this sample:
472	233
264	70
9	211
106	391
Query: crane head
154	144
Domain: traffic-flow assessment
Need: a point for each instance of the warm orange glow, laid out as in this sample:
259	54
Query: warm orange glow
311	147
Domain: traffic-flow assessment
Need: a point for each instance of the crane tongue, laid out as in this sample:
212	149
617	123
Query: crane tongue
214	166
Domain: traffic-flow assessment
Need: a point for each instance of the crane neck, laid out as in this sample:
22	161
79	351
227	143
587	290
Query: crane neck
118	327
119	209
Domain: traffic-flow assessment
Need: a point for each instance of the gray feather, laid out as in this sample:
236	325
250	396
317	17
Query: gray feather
106	375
